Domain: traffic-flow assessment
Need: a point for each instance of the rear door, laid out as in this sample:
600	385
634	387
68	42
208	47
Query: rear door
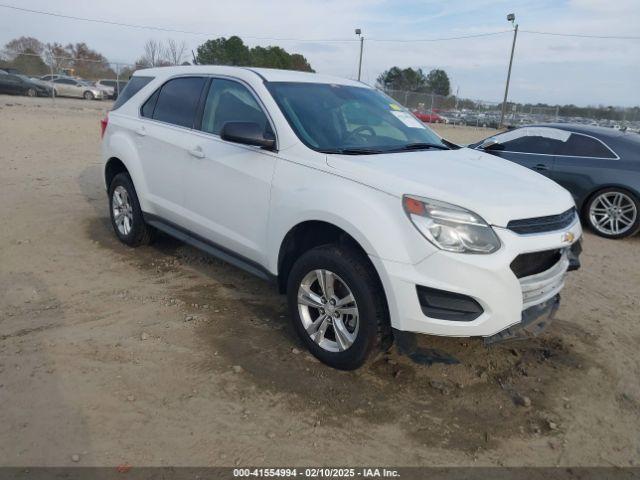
584	163
164	138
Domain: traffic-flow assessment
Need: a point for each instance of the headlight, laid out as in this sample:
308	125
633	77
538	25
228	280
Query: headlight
450	227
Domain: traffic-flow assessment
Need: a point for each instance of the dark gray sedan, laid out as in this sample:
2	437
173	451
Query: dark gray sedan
599	166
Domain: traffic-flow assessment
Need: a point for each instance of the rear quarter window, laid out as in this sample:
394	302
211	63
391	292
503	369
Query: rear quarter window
583	146
133	86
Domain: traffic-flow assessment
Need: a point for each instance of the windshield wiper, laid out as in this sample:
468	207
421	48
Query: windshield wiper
419	146
353	151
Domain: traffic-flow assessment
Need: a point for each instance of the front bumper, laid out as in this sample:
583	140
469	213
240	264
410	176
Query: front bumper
488	279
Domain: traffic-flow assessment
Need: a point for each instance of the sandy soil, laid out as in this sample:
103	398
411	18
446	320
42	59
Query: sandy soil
164	356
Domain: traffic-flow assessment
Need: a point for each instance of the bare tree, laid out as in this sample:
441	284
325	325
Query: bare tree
17	46
175	51
154	54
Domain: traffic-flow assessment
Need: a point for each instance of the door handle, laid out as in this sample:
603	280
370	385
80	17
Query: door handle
541	167
141	131
196	152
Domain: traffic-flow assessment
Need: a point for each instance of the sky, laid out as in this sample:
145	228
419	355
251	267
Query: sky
546	69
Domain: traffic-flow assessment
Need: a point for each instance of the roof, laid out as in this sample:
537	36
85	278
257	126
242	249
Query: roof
268	74
595	131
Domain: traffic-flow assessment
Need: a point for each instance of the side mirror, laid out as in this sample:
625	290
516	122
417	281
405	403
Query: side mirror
490	144
247	133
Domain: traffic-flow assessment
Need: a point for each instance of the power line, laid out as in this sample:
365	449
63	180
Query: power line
580	35
163	29
319	40
439	39
189	32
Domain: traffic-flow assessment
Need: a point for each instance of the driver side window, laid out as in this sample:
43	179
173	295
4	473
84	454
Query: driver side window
531	144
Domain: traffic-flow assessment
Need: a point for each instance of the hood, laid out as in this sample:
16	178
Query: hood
496	189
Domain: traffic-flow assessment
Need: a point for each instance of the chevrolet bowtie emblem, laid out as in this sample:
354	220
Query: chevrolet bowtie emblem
568	237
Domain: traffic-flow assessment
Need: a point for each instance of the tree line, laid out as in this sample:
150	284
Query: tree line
33	57
410	80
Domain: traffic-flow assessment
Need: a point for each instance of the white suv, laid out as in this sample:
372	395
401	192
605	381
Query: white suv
373	225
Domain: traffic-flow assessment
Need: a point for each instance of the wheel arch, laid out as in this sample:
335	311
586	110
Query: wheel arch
309	234
119	153
113	167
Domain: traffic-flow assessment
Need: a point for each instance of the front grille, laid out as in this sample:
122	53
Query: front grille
543	224
536	262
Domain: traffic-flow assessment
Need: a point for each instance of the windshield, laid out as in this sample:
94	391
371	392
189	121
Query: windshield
347	119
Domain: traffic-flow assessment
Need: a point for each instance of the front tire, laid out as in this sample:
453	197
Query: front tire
126	216
337	305
613	213
32	92
88	95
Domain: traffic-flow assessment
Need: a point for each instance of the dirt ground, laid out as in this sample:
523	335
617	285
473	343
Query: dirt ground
164	356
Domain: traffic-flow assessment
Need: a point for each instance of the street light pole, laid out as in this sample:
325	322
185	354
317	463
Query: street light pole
511	17
359	33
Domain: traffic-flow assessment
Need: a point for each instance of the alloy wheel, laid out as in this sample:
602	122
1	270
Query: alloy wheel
328	310
122	210
613	213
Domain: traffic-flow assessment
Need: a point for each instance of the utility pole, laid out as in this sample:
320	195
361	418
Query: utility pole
117	89
511	17
359	33
52	60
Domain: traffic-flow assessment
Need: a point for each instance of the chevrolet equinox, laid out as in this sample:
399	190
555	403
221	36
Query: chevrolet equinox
375	227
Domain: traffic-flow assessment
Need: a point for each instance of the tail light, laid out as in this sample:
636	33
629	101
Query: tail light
103	125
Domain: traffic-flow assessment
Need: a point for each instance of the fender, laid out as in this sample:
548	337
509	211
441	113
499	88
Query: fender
376	219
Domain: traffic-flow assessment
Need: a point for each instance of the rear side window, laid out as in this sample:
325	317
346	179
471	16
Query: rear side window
133	86
178	101
583	146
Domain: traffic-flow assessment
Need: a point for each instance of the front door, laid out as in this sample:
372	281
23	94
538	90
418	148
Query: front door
230	184
531	147
65	87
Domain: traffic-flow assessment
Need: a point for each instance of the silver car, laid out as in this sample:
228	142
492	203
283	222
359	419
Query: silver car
71	87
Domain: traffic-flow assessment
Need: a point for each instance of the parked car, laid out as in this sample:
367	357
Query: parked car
599	166
428	117
110	87
71	87
35	80
373	226
22	85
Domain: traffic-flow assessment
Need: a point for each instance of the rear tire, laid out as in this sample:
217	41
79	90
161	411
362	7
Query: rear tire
339	333
126	216
613	213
